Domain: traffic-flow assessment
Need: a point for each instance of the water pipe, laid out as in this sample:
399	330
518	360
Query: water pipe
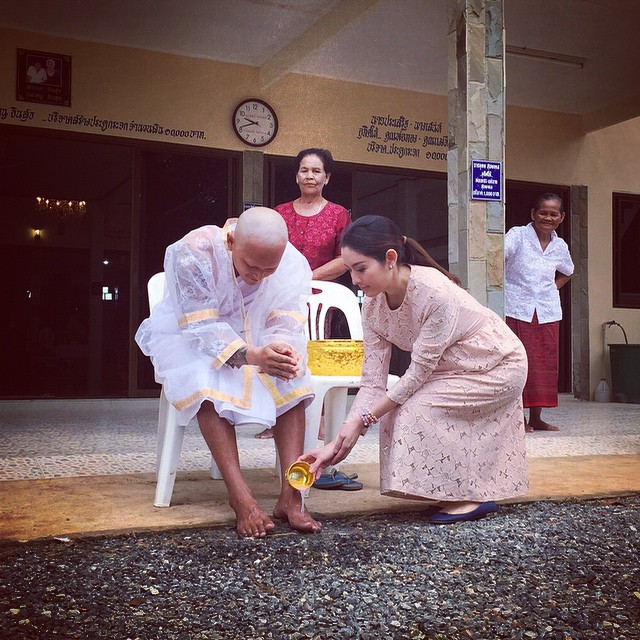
613	323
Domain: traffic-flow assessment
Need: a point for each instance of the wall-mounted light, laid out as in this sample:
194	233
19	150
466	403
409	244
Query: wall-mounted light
37	234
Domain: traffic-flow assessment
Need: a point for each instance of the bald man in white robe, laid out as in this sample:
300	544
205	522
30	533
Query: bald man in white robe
228	343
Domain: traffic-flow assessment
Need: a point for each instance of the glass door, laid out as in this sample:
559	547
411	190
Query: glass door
77	249
179	192
64	265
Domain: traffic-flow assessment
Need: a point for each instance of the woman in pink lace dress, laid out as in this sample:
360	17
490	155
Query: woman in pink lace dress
315	225
451	427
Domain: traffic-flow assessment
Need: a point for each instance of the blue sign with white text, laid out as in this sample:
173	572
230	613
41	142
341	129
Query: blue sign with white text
486	180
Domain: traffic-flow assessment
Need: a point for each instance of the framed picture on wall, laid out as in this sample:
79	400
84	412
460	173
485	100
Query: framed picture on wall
43	77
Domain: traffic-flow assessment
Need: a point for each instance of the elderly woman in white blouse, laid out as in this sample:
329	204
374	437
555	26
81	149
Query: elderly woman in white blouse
537	265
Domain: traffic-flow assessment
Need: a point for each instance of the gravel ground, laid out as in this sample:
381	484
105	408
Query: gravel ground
538	570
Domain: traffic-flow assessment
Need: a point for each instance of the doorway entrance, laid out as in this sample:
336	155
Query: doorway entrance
520	197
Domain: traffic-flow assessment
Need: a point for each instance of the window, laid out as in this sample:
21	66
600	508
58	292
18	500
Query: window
626	239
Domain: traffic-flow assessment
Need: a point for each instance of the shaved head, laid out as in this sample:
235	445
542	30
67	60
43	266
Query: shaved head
257	243
263	226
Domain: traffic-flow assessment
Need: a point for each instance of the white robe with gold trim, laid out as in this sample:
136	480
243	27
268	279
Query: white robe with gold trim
207	314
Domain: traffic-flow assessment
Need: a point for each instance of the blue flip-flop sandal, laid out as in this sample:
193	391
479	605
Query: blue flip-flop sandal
338	480
328	480
350	482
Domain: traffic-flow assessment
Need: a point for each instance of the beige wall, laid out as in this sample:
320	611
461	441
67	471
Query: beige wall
176	93
610	162
182	94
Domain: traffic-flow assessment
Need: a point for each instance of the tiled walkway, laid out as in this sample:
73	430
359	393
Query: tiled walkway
59	438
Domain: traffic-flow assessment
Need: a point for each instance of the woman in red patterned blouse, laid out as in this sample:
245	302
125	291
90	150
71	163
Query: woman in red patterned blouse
315	225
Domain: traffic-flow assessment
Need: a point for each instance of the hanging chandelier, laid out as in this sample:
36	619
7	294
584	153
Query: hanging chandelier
62	208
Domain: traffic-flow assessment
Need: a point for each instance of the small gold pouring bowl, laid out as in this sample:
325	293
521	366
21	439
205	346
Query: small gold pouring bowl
299	477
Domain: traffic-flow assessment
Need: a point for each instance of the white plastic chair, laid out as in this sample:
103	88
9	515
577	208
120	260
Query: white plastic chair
332	391
170	433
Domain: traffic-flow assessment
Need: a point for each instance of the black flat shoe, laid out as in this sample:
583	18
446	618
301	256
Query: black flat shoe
482	510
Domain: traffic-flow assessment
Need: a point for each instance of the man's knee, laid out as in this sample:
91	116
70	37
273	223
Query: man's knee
207	415
295	413
207	409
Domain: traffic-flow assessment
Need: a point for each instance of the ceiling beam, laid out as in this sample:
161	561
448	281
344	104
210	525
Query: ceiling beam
320	32
613	114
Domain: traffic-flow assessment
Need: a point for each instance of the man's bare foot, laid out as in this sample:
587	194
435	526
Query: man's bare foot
527	427
264	435
300	521
541	425
252	521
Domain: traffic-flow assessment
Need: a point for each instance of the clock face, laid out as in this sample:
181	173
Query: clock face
255	122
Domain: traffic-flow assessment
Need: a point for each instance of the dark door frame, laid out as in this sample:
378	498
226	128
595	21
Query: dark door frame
520	196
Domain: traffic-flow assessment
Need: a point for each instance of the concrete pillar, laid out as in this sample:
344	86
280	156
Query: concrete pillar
252	177
476	132
582	384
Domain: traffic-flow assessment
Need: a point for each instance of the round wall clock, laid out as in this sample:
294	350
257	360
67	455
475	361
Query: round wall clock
255	122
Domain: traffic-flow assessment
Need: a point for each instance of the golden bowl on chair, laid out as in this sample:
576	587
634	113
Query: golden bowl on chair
335	357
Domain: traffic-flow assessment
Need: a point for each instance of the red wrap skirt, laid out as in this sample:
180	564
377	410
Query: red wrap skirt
541	344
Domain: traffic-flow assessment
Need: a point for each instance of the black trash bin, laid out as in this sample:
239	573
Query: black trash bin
625	372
